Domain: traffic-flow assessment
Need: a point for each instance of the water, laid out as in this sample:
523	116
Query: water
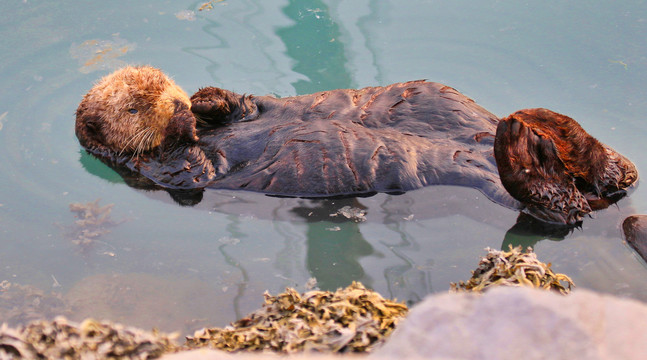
181	268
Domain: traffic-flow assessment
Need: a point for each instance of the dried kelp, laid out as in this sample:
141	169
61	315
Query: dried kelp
208	5
93	222
353	319
60	339
514	268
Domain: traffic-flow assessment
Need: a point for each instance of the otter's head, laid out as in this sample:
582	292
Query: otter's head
132	111
556	169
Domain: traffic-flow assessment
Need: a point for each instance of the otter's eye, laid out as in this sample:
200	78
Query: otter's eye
132	111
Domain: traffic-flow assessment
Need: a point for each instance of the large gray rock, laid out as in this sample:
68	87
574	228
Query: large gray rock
521	323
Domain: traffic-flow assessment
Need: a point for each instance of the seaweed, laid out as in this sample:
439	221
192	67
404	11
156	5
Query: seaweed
353	319
208	5
93	221
513	268
60	339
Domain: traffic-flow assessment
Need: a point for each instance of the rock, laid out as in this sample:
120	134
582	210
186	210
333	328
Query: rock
521	323
635	230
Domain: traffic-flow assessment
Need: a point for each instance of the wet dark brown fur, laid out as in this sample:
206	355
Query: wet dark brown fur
548	162
341	142
355	142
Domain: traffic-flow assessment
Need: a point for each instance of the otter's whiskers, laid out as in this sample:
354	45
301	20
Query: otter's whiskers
145	142
143	139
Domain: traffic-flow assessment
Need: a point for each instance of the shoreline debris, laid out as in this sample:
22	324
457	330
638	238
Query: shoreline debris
513	268
353	319
61	339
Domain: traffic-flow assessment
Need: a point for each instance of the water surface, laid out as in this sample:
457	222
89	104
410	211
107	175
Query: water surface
180	268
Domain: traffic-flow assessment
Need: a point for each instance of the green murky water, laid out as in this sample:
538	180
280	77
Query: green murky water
180	268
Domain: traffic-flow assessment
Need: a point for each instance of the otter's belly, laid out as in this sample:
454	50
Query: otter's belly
342	142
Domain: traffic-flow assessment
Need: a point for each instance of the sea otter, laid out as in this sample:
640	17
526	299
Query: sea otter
348	143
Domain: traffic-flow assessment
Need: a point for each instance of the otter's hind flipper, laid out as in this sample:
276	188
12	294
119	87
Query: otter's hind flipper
533	173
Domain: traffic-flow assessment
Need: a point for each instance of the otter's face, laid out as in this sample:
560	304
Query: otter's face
128	111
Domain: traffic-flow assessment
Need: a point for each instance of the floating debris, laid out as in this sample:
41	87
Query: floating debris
93	222
227	240
60	339
3	116
620	62
311	284
96	54
209	5
353	319
513	268
353	213
187	15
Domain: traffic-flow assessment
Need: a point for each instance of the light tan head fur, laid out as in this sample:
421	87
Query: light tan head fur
128	110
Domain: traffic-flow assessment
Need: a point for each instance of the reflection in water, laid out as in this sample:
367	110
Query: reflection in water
313	41
408	280
240	50
234	230
335	244
97	168
354	18
336	253
528	231
333	254
208	52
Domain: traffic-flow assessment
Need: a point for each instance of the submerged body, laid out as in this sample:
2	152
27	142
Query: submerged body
347	142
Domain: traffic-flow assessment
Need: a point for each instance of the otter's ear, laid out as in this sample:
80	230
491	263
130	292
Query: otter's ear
532	172
88	129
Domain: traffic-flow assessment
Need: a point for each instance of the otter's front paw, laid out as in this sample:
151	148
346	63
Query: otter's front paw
181	129
211	106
